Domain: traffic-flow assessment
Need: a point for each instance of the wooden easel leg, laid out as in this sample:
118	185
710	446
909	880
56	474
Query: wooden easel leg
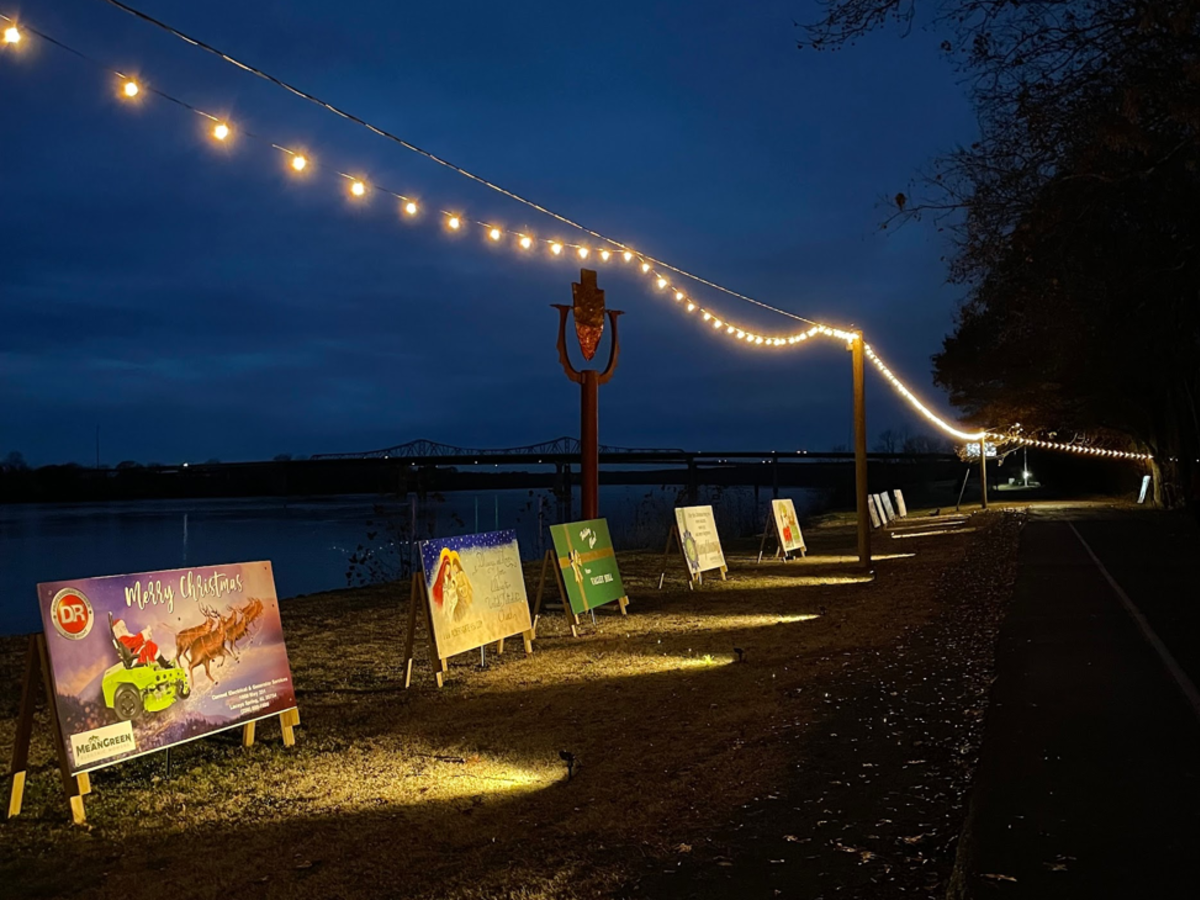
528	638
412	632
248	734
623	603
288	720
666	556
73	786
20	753
723	578
500	647
762	545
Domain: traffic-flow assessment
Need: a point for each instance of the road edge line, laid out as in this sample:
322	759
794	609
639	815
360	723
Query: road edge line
1181	680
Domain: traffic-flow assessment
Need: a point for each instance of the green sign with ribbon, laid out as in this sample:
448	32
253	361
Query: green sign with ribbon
588	564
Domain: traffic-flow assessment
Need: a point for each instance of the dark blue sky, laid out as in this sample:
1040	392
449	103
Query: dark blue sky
197	301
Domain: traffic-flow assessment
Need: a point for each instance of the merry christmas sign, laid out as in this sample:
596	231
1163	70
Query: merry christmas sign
146	661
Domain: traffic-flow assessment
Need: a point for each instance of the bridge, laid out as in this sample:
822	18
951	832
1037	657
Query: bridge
565	450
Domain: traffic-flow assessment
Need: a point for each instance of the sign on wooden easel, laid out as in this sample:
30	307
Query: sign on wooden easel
695	535
887	505
781	521
901	506
872	509
472	593
585	570
115	693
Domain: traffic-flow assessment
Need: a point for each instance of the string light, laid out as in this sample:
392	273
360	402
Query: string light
221	131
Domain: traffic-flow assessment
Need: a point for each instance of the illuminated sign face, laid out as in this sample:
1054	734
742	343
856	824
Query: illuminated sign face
971	450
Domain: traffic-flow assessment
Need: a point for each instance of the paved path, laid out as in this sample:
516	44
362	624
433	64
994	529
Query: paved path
1089	782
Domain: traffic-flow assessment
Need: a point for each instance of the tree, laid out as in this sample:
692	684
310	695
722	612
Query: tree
890	440
1072	217
15	462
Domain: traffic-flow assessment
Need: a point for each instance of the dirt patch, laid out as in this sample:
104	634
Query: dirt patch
461	793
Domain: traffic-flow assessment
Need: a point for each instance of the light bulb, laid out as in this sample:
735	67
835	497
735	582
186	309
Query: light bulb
410	208
131	89
691	306
628	256
645	267
556	249
679	295
526	242
454	222
604	255
11	35
358	189
298	163
494	234
662	283
221	131
583	252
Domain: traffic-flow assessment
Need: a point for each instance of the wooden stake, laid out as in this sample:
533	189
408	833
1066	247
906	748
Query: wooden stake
860	452
20	752
412	630
248	734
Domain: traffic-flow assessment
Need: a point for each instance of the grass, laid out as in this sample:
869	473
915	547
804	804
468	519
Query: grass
460	792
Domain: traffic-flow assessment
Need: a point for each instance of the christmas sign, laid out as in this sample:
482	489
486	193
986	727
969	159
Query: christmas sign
786	527
588	564
699	539
475	590
143	662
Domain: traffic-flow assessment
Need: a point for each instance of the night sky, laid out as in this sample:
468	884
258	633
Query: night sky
198	301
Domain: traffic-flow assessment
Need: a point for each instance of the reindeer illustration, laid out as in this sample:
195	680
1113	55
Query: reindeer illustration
185	638
237	629
208	647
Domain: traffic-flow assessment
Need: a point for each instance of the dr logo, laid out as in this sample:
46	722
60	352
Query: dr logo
71	612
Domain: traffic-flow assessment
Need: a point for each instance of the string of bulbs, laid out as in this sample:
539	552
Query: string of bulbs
657	272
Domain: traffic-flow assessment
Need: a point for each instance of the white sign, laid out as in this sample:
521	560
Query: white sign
887	505
901	507
786	526
874	512
1145	489
698	535
102	743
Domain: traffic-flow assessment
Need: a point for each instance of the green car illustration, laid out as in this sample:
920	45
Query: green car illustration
130	689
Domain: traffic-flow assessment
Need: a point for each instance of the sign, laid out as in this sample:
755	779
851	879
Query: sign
873	511
901	506
146	661
1145	489
786	526
699	539
887	505
588	564
475	590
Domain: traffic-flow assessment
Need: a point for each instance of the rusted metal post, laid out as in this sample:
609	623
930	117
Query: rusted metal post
983	470
860	451
589	311
589	445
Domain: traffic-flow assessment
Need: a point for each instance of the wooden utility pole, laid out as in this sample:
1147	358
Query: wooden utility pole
983	469
860	451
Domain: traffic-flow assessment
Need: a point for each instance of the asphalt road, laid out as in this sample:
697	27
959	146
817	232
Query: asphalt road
1089	778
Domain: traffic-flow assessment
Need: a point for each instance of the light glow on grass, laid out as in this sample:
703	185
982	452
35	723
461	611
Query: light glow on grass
917	534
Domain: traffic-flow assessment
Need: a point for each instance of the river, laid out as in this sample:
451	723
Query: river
310	541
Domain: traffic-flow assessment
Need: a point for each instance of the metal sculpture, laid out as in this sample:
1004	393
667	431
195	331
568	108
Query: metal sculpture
589	312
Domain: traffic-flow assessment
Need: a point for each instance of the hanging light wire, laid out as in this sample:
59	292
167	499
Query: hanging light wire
407	145
454	221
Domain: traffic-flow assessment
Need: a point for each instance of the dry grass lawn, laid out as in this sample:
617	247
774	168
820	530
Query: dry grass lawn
460	792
